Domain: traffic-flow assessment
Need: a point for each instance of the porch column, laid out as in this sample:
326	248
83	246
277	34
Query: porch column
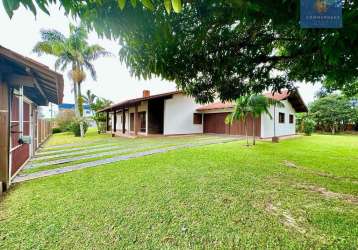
107	122
123	121
136	120
114	121
4	136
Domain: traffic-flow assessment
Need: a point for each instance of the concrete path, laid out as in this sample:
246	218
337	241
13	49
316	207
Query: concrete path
44	153
31	176
32	164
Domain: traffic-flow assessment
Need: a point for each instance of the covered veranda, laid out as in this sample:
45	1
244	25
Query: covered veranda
142	116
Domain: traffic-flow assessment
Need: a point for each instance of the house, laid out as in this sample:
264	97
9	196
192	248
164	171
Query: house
24	85
175	113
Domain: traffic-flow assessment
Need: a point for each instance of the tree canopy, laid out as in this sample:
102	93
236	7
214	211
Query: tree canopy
333	112
228	47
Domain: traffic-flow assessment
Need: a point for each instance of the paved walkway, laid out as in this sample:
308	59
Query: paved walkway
26	177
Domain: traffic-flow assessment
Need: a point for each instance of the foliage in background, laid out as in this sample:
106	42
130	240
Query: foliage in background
89	98
333	113
64	119
76	127
73	52
56	130
100	117
308	125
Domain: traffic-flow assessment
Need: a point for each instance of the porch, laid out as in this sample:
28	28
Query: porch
137	117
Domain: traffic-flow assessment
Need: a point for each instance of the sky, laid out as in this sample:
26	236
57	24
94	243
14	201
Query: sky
114	82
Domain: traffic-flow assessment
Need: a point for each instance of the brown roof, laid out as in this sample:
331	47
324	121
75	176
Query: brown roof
293	97
130	102
216	105
278	96
50	83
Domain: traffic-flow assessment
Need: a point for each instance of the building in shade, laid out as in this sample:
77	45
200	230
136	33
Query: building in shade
175	113
24	86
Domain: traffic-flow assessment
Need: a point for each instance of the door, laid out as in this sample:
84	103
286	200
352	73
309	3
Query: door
215	123
131	121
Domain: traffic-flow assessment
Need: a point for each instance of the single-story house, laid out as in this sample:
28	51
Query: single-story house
24	86
175	113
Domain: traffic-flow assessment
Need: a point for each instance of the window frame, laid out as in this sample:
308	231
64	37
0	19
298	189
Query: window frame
281	115
291	121
197	118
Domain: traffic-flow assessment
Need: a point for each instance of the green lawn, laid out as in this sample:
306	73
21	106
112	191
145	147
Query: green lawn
300	193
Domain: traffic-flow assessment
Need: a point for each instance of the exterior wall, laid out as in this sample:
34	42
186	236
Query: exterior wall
4	136
178	115
119	121
282	129
142	107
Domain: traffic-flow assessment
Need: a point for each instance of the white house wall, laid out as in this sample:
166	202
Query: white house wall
282	129
178	115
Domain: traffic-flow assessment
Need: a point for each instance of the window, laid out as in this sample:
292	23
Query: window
197	118
142	121
281	117
291	119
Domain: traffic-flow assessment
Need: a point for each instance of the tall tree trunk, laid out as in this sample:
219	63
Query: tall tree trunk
76	99
253	131
80	109
247	136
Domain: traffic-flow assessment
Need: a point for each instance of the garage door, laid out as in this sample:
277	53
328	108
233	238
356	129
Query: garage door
215	123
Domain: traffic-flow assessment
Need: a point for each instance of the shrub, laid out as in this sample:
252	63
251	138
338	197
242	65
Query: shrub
75	127
308	126
56	130
64	120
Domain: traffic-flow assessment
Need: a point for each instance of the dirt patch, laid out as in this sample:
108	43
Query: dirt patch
285	216
329	194
290	164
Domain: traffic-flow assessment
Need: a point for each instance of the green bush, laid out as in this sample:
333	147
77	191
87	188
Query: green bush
64	120
308	126
75	127
56	130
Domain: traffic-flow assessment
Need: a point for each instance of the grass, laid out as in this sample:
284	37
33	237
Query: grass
300	193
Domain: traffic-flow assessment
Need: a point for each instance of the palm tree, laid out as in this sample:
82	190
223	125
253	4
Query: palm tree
74	52
241	110
89	98
261	104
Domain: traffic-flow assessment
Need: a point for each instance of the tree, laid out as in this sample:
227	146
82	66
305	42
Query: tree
71	6
89	98
230	48
100	117
73	52
242	109
332	113
260	104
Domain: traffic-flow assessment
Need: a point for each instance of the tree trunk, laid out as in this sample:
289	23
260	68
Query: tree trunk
253	131
76	99
247	136
80	109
